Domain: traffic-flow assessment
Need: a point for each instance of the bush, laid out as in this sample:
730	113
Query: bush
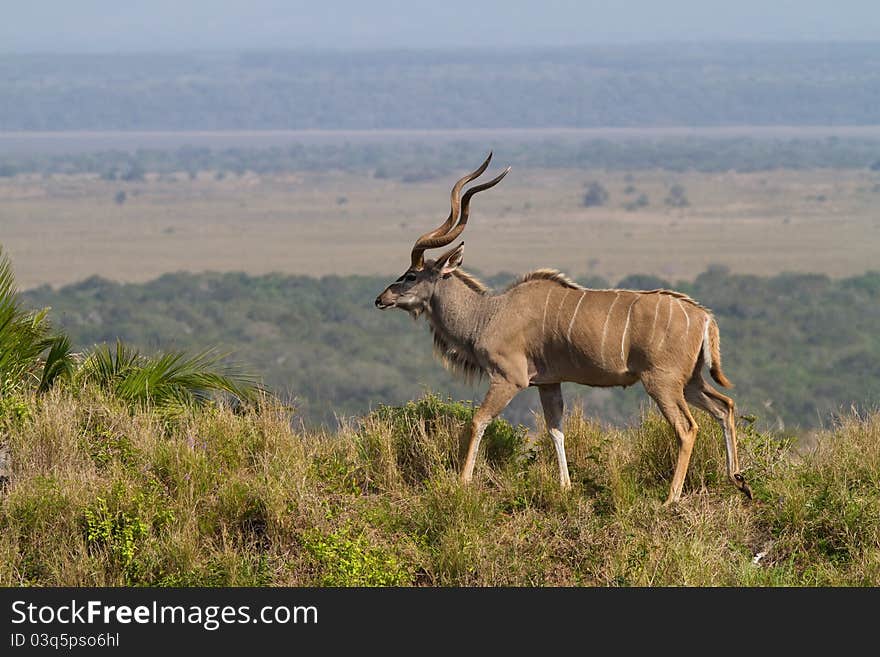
677	197
344	560
411	442
595	196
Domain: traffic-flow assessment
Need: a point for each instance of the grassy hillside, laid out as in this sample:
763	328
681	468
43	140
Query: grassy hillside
100	493
800	348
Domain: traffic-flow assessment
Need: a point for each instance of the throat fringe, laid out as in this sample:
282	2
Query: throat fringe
456	360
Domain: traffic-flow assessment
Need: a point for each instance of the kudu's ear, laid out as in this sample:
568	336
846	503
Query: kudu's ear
451	260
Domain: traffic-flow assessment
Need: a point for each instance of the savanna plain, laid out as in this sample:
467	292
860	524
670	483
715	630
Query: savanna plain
68	227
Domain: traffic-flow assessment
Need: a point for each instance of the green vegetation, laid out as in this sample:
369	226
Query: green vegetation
100	495
170	381
33	359
800	348
25	336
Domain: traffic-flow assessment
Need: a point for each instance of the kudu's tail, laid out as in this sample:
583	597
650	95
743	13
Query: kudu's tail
712	352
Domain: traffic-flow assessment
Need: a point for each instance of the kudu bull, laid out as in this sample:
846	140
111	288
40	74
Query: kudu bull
544	329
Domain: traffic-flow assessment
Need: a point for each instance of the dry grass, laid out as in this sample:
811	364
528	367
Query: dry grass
67	228
99	495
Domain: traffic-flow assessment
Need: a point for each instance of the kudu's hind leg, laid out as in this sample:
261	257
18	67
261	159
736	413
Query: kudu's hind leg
670	399
497	398
721	407
551	401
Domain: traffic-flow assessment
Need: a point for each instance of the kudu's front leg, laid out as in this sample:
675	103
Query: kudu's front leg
497	398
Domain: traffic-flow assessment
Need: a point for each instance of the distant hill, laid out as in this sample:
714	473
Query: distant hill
637	85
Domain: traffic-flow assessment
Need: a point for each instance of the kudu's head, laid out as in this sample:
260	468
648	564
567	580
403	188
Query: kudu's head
412	292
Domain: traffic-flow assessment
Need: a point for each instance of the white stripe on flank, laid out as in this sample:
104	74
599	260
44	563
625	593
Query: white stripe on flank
544	319
687	327
573	315
625	329
656	312
605	328
668	322
559	310
707	349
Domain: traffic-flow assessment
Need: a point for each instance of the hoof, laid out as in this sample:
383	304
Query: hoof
740	482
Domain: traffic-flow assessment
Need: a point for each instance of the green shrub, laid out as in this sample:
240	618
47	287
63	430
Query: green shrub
120	526
118	532
346	560
429	434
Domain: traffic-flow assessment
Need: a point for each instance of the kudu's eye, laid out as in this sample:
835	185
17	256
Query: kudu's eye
409	277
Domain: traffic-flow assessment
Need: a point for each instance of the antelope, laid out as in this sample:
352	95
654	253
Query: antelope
544	329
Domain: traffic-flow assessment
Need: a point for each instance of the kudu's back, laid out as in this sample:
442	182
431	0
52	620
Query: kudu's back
598	337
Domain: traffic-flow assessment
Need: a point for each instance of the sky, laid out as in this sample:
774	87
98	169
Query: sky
73	26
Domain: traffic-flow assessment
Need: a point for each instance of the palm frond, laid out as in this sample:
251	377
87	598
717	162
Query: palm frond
22	333
59	362
168	380
106	367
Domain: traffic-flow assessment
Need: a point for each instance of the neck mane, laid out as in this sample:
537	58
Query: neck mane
545	275
456	318
472	282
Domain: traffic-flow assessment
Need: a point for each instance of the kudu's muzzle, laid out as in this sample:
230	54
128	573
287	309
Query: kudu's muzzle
385	300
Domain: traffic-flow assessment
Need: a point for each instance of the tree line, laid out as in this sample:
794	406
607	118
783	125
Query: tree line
671	84
414	160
